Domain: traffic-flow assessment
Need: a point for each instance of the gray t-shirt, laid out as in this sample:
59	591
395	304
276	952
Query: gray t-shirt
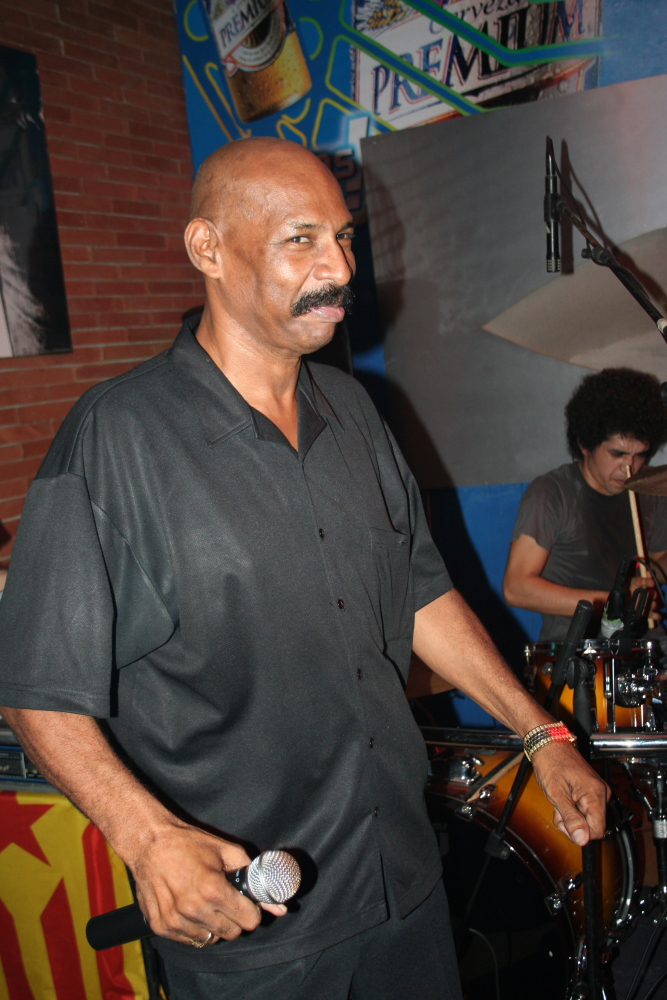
587	534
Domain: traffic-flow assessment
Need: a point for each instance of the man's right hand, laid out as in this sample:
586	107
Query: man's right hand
182	888
179	869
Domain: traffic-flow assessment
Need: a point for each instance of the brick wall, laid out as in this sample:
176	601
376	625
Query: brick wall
117	134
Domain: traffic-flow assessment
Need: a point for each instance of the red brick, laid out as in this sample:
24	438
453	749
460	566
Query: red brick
25	467
63	184
76	219
85	23
78	253
11	488
73	67
77	98
57	114
114	15
43	411
35	376
142	239
75	135
9	452
125	288
51	78
36	449
87	237
118	138
84	203
76	168
84	321
21	37
104	371
118	255
109	189
10	510
18	433
132	353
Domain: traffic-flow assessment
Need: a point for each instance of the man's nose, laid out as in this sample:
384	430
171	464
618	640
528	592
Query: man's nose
335	264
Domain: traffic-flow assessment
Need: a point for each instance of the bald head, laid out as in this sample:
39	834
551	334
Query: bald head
272	235
241	175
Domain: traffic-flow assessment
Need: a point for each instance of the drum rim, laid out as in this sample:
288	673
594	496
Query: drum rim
621	831
537	869
596	644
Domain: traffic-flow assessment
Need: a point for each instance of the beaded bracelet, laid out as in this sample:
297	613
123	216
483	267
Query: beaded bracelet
551	732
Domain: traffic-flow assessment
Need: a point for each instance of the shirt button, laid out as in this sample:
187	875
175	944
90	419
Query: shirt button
360	673
371	742
341	603
320	533
376	811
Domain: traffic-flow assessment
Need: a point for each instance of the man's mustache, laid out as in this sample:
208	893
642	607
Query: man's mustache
331	295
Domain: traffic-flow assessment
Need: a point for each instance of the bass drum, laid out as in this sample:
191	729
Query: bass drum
524	935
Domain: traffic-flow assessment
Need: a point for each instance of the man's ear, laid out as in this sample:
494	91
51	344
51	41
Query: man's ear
203	245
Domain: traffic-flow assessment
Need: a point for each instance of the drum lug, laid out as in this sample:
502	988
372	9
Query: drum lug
487	794
567	884
456	770
465	811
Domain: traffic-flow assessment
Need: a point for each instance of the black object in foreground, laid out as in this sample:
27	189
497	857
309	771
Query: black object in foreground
273	877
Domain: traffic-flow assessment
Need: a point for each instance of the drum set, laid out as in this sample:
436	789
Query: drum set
532	913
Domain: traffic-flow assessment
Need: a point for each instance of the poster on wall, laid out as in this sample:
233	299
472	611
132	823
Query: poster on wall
33	308
328	73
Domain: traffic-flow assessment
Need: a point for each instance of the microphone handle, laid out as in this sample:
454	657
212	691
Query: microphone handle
117	927
128	923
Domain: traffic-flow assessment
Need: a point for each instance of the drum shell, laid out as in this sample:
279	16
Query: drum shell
544	654
550	856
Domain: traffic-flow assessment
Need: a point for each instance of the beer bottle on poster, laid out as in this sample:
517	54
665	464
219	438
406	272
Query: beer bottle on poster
260	52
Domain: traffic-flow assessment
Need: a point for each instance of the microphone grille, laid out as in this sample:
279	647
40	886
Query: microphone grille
274	877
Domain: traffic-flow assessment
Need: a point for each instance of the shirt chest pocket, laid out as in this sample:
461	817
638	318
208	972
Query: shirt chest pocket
391	560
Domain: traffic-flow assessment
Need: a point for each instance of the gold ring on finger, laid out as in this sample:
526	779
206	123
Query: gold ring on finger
202	944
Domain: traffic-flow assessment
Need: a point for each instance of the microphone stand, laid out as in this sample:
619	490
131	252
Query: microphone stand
496	846
579	678
600	255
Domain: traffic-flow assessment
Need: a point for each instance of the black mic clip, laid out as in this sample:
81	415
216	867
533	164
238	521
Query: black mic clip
579	672
635	616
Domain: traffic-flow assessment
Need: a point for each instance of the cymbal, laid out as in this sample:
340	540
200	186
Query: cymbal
649	480
588	318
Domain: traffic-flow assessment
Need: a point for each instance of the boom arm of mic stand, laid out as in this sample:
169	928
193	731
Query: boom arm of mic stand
599	255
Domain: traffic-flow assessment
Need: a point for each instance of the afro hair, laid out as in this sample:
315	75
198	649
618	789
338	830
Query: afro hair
616	401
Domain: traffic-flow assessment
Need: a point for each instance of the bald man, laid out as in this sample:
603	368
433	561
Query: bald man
222	568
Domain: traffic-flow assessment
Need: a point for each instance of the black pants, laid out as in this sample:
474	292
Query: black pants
410	959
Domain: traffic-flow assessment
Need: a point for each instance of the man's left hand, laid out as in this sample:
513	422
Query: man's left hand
578	794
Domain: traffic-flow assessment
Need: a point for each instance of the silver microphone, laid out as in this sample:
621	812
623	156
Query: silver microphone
273	877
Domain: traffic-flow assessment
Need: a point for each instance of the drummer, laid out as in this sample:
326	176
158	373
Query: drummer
574	526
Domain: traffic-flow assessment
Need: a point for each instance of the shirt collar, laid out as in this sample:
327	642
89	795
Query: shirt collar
222	410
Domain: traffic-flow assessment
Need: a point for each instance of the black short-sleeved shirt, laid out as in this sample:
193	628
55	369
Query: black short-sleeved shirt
242	615
587	534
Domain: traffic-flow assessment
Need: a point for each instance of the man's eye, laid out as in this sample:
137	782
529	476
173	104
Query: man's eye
345	236
299	239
